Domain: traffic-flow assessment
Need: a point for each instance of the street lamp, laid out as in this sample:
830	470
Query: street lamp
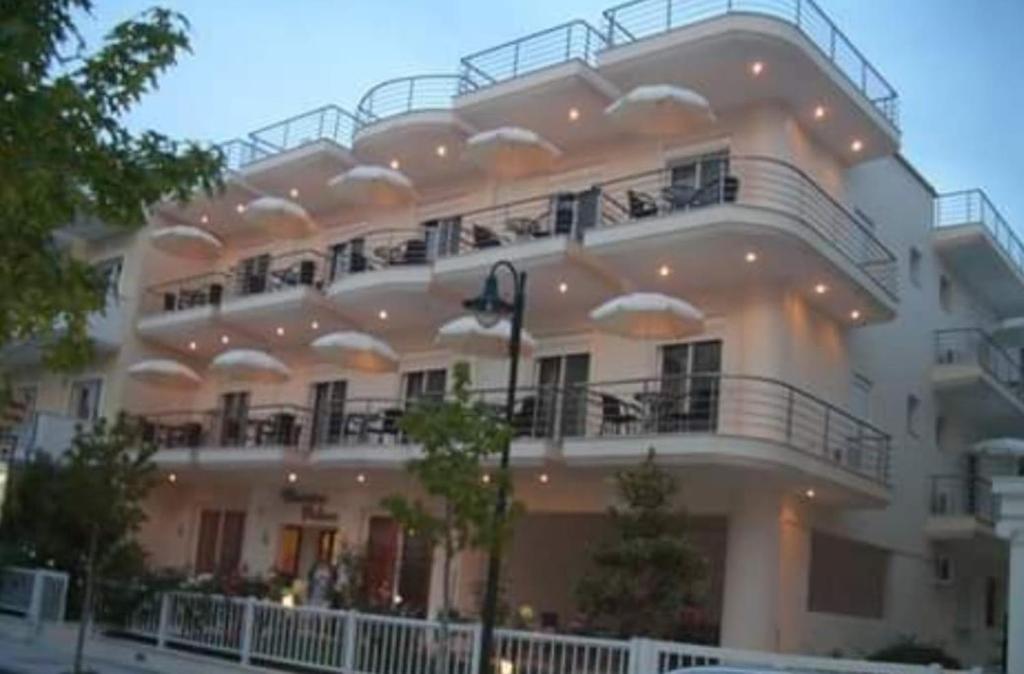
489	308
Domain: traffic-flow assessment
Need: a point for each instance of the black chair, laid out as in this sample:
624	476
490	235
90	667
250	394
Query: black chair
216	294
385	424
678	197
565	212
615	414
641	205
414	252
192	434
283	430
731	189
357	262
484	238
170	301
525	421
307	272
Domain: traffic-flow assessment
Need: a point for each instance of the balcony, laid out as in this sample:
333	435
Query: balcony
979	380
408	124
709	45
732	422
104	329
982	249
962	508
259	435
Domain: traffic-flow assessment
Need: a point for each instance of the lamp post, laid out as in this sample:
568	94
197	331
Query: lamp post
489	308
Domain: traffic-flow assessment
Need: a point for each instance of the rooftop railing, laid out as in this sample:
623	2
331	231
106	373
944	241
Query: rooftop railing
329	122
960	496
410	94
240	153
553	46
758	182
639	19
973	207
728	405
972	346
254	427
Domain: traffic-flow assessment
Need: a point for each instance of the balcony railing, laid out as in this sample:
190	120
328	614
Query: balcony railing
188	293
255	427
729	405
240	153
972	207
410	94
379	249
971	346
329	122
569	41
302	268
639	19
763	183
962	496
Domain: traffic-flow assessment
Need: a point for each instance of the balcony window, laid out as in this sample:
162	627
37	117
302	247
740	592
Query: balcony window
913	412
847	577
252	274
425	384
914	263
689	386
569	374
219	549
443	235
109	272
697	181
945	293
85	399
234	413
329	411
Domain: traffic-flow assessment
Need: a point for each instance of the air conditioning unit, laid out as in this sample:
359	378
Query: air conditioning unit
944	571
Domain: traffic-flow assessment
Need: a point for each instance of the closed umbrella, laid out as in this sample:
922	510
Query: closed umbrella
511	151
648	316
165	373
465	335
186	241
356	351
660	109
372	186
250	365
279	217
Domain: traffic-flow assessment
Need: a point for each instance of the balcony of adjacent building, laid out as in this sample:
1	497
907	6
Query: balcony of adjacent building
730	426
103	328
736	53
981	248
962	508
977	379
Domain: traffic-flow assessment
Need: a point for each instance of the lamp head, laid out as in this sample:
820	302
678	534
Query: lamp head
489	307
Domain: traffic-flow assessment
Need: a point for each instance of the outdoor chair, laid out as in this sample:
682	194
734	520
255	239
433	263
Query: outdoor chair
616	415
385	424
525	419
641	204
678	197
484	238
414	252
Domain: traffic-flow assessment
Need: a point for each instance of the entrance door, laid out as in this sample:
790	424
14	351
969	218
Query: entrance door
219	549
414	573
329	412
381	558
689	387
567	375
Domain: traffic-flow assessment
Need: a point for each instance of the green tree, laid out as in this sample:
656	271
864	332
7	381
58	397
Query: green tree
648	571
81	512
68	156
459	438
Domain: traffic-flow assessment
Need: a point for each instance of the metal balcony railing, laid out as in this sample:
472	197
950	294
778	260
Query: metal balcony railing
573	40
255	427
328	122
278	272
757	182
240	153
960	496
973	207
410	94
728	405
379	249
639	19
973	346
187	293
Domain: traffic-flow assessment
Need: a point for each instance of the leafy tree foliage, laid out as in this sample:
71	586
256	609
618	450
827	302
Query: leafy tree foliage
648	572
68	157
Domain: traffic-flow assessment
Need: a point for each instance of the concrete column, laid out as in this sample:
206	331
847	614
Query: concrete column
750	610
1011	527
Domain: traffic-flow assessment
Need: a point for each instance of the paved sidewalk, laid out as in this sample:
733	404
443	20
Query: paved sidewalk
19	657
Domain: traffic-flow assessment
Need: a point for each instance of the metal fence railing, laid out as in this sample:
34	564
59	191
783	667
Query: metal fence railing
960	495
973	207
572	40
258	426
973	346
410	94
639	19
193	292
328	122
38	595
261	632
240	153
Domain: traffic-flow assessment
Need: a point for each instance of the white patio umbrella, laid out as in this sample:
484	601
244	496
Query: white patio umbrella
186	241
279	217
465	335
660	109
511	151
164	372
372	186
250	365
357	351
648	316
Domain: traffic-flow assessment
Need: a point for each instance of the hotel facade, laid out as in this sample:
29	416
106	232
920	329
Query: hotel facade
859	333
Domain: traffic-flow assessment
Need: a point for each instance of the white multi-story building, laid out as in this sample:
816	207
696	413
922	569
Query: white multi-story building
861	331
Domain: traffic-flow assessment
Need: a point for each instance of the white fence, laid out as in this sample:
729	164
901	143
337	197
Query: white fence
36	594
360	643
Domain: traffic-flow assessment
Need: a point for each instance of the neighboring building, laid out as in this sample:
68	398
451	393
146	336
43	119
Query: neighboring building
862	332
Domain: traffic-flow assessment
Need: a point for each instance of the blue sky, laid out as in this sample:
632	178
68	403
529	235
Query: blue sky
957	64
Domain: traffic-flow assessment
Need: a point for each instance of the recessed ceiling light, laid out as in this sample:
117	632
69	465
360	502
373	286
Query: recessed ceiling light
751	256
563	287
856	146
441	150
855	315
280	331
204	219
172	478
486	478
821	288
315	325
395	164
574	114
544	478
192	346
224	339
756	68
240	208
294	193
819	112
293	478
663	270
382	314
361	478
809	493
